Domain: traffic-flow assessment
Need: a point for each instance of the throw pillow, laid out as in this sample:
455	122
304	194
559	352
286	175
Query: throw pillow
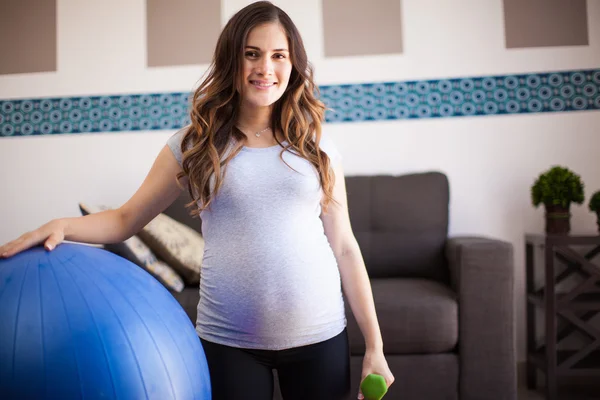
177	244
136	251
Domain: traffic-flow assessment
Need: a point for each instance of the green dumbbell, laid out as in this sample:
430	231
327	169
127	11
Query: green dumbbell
373	387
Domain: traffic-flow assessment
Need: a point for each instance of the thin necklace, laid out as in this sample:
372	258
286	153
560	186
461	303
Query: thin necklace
259	132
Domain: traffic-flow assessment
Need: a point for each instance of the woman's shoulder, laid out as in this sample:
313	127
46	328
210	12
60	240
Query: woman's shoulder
177	137
174	142
328	145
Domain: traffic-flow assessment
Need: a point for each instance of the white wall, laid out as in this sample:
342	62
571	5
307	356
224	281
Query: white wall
101	51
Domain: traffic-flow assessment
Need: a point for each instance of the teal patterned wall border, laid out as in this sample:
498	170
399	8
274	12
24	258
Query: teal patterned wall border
560	91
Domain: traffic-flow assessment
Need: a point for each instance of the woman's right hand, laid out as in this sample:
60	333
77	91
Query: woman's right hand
51	234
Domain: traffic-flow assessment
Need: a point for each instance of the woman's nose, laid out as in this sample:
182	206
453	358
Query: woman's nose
265	66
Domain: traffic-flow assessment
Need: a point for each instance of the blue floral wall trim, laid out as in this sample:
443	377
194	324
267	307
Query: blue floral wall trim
560	91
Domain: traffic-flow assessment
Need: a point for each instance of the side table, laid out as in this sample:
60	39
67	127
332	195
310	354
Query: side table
574	306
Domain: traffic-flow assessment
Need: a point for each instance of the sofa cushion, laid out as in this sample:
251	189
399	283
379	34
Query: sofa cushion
416	316
177	244
401	223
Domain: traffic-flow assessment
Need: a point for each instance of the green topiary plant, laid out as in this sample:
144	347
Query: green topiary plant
557	188
594	206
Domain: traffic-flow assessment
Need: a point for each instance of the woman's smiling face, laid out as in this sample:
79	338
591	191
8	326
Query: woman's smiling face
267	65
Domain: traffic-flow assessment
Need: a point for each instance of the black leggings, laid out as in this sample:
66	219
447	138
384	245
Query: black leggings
317	371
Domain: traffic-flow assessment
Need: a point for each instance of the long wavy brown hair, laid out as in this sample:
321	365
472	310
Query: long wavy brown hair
212	139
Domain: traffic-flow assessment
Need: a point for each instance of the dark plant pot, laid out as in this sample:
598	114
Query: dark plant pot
558	220
598	220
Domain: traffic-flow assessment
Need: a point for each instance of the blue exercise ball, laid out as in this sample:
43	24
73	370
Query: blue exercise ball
80	322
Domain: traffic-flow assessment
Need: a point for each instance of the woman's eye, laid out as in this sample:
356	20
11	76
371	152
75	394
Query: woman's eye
280	56
251	54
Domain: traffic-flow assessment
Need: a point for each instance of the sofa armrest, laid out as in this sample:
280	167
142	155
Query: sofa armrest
482	274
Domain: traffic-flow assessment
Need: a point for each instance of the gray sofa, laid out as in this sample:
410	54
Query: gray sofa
445	304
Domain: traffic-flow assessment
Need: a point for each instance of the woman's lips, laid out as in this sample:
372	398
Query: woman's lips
262	85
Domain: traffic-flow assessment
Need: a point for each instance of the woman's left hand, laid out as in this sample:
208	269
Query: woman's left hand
374	363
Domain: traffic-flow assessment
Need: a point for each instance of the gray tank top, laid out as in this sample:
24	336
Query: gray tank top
269	277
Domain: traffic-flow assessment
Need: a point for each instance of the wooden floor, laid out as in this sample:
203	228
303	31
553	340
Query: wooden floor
525	394
576	391
564	394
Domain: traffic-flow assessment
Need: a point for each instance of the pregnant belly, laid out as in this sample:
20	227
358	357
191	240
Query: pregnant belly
301	300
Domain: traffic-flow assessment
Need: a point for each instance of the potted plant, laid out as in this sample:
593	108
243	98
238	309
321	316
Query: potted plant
594	206
556	189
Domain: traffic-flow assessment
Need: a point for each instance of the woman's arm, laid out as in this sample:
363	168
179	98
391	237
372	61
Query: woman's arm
158	190
355	280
